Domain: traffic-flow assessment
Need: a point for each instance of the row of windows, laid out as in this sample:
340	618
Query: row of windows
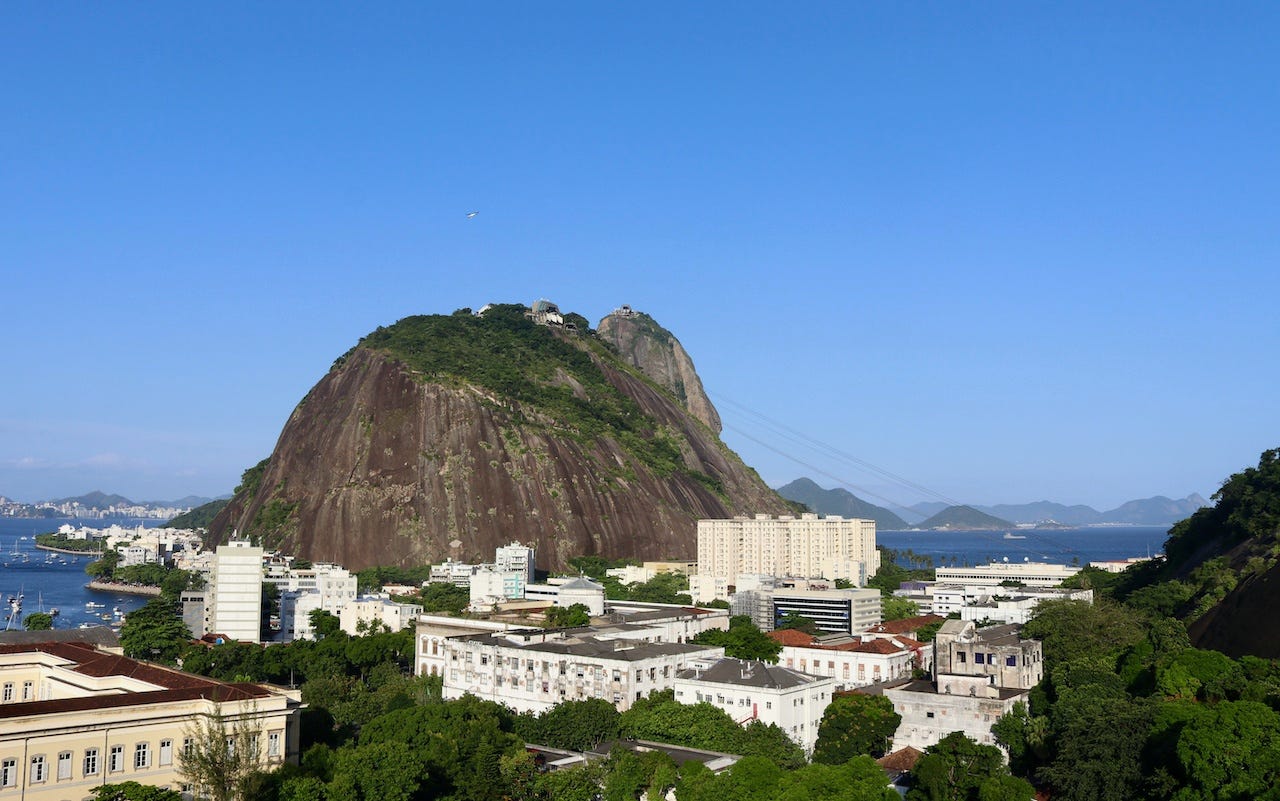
90	765
38	769
28	691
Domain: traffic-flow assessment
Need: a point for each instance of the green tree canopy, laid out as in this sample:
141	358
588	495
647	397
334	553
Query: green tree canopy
38	621
855	725
742	640
155	631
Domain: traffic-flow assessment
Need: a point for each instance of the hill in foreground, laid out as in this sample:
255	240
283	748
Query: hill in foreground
449	435
964	518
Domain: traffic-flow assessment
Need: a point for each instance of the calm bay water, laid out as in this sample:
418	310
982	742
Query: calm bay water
1037	545
45	581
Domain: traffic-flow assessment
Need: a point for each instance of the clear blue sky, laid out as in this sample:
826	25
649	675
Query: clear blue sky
1008	251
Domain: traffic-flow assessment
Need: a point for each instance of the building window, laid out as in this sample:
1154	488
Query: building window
960	657
9	773
8	691
64	765
37	769
273	744
166	753
115	759
1011	661
188	747
977	659
26	690
141	756
91	762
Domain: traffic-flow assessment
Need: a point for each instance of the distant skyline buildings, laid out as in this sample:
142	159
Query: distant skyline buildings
1014	255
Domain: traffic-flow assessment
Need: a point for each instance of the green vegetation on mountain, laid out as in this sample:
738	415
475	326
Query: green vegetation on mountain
199	517
53	539
839	501
552	378
964	518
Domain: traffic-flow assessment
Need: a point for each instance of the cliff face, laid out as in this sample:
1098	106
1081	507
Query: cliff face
659	355
383	465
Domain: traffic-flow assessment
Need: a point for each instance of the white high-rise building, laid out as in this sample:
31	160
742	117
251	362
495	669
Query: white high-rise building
808	546
516	558
235	592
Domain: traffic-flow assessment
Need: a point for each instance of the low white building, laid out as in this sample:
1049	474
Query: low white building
372	610
532	671
750	690
569	591
1032	574
450	572
851	661
431	632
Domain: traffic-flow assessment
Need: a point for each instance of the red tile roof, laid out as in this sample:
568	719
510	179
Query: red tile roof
792	637
906	625
85	659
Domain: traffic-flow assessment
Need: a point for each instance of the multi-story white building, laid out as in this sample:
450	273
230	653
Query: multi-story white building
234	593
751	690
73	718
516	558
533	670
492	584
808	546
303	590
834	611
1032	574
979	674
851	661
375	611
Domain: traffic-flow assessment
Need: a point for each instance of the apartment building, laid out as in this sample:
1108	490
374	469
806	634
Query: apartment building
73	718
851	661
234	593
979	674
808	546
533	670
750	690
376	611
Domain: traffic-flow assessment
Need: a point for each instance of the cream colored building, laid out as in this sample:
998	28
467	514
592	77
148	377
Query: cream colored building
807	546
73	718
234	593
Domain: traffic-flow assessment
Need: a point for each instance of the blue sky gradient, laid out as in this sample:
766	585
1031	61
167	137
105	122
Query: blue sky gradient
1008	251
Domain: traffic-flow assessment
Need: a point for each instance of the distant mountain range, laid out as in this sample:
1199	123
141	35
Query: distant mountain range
1157	511
101	500
964	518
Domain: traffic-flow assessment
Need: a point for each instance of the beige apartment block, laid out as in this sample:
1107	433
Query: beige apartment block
807	546
73	718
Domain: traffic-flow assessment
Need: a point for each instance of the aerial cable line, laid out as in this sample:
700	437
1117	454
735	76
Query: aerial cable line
789	433
819	470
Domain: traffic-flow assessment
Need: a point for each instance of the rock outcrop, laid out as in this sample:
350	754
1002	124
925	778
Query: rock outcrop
658	354
449	436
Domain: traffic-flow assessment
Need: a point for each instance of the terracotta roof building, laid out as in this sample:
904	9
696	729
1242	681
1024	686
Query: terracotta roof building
73	717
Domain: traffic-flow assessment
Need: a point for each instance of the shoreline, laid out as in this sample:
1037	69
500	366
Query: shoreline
68	551
123	589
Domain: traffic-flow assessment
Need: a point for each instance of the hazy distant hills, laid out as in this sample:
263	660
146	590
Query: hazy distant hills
839	501
101	500
1157	511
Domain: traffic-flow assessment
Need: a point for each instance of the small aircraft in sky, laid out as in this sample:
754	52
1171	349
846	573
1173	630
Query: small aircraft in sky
471	214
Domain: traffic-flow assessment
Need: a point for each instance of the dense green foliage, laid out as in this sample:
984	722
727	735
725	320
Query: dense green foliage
1195	573
758	779
742	640
551	377
855	724
132	791
958	769
38	621
663	719
55	540
576	725
564	616
199	517
155	631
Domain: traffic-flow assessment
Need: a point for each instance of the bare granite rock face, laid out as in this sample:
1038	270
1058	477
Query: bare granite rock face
377	466
659	355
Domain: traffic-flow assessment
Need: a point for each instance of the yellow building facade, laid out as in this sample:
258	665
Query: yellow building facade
73	718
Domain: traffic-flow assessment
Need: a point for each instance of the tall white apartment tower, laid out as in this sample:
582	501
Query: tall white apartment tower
235	591
807	546
515	558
